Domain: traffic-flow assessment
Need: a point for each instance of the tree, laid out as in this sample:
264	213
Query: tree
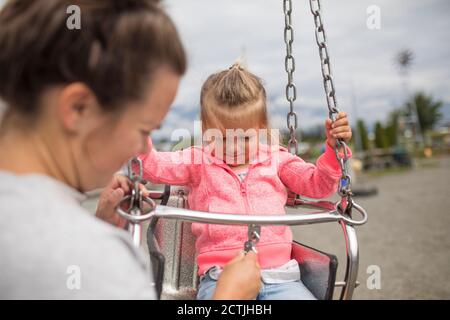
380	136
404	60
362	130
428	110
391	129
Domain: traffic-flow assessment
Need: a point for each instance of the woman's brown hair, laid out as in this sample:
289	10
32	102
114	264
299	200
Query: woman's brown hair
120	44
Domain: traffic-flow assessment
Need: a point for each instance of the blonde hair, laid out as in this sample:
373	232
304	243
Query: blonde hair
233	98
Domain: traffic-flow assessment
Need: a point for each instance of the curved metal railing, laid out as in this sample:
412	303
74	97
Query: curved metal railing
140	209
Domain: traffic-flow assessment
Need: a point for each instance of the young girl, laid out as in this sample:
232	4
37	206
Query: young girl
246	177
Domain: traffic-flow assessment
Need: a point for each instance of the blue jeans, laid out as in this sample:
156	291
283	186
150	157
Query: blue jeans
269	291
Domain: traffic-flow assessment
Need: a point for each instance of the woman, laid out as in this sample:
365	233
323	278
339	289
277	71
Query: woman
79	104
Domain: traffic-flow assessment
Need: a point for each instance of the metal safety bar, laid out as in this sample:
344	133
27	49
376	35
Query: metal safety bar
243	219
351	272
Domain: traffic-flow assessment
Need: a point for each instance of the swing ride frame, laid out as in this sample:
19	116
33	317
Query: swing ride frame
340	212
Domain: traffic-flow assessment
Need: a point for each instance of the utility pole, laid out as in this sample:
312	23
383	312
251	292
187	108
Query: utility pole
404	60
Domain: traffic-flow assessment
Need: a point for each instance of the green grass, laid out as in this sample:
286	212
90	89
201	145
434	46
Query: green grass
384	172
427	163
421	163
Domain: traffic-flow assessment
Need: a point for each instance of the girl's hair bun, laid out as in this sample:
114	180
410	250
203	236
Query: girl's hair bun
237	65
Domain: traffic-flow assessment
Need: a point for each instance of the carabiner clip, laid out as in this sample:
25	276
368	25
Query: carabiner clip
254	234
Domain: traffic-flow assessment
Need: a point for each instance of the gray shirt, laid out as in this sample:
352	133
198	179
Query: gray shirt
52	248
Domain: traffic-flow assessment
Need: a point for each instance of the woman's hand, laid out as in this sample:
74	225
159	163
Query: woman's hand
240	278
339	129
110	198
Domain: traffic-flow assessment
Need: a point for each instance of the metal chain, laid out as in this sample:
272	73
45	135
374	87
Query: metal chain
291	89
135	213
136	199
254	232
136	179
344	189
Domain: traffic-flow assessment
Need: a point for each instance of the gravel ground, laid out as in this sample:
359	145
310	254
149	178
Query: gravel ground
407	235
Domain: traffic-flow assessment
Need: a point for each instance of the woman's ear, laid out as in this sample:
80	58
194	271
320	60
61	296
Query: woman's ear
76	105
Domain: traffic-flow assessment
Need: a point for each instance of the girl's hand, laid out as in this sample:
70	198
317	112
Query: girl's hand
339	129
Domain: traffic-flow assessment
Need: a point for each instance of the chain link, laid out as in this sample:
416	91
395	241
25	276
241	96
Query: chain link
330	91
254	232
135	212
289	65
136	199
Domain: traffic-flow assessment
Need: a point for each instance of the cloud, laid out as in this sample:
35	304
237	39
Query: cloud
216	32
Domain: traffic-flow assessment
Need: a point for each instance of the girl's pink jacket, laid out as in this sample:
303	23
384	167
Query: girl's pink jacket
214	187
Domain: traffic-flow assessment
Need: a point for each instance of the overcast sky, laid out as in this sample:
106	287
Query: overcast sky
217	32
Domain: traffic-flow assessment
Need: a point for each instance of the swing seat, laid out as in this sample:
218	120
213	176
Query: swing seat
172	252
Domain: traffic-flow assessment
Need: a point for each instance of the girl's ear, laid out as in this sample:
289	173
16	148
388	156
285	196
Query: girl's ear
76	103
